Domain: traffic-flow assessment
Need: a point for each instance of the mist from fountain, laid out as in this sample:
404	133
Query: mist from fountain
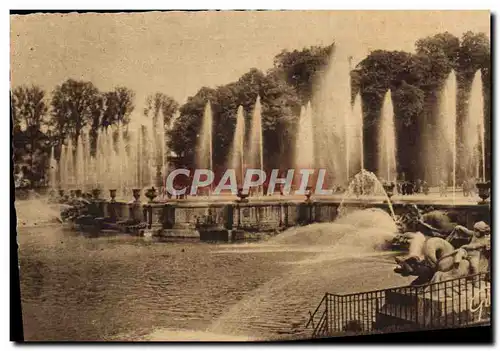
332	112
473	132
447	129
387	141
236	158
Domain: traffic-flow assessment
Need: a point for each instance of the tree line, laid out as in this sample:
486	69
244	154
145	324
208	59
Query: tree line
41	122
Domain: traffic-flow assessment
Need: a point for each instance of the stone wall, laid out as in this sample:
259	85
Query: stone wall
264	215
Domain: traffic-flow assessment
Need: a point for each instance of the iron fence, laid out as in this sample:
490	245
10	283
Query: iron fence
447	304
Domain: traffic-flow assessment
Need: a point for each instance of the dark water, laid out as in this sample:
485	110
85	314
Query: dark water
125	288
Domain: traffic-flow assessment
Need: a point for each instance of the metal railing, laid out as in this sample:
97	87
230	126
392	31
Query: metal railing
446	304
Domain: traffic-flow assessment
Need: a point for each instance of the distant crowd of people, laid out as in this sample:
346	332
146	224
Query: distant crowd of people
469	187
422	187
405	187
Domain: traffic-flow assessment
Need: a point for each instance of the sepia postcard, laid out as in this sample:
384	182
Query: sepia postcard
251	175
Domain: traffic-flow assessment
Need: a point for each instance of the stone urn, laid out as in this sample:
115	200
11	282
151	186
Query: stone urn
389	189
242	196
95	193
112	194
151	194
483	189
136	193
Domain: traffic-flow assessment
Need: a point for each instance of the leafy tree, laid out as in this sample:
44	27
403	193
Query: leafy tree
73	104
280	108
160	105
29	107
415	80
183	138
474	52
442	44
300	69
118	105
29	111
96	121
160	108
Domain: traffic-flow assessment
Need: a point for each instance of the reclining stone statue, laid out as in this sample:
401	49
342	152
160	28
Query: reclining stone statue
435	259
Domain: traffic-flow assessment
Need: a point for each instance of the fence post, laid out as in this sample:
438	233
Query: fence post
327	315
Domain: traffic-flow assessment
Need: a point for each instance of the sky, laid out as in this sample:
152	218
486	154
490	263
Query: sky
179	52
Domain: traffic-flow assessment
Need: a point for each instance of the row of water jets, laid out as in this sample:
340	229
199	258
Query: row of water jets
124	158
329	136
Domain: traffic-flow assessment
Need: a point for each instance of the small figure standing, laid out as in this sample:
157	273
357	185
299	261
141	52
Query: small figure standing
425	187
465	188
418	186
442	188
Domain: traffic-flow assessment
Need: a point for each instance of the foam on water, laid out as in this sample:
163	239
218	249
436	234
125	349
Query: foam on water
366	229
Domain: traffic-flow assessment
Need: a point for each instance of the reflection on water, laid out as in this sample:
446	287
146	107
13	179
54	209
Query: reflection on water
127	288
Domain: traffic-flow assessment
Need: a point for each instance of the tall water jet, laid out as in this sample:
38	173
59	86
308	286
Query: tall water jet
100	157
160	132
237	149
87	159
137	142
447	129
357	151
53	170
123	160
111	159
256	139
115	164
63	175
80	162
332	110
204	157
304	147
70	164
151	152
473	129
387	140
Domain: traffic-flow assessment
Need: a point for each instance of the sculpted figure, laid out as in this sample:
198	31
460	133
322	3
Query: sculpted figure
435	259
476	252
